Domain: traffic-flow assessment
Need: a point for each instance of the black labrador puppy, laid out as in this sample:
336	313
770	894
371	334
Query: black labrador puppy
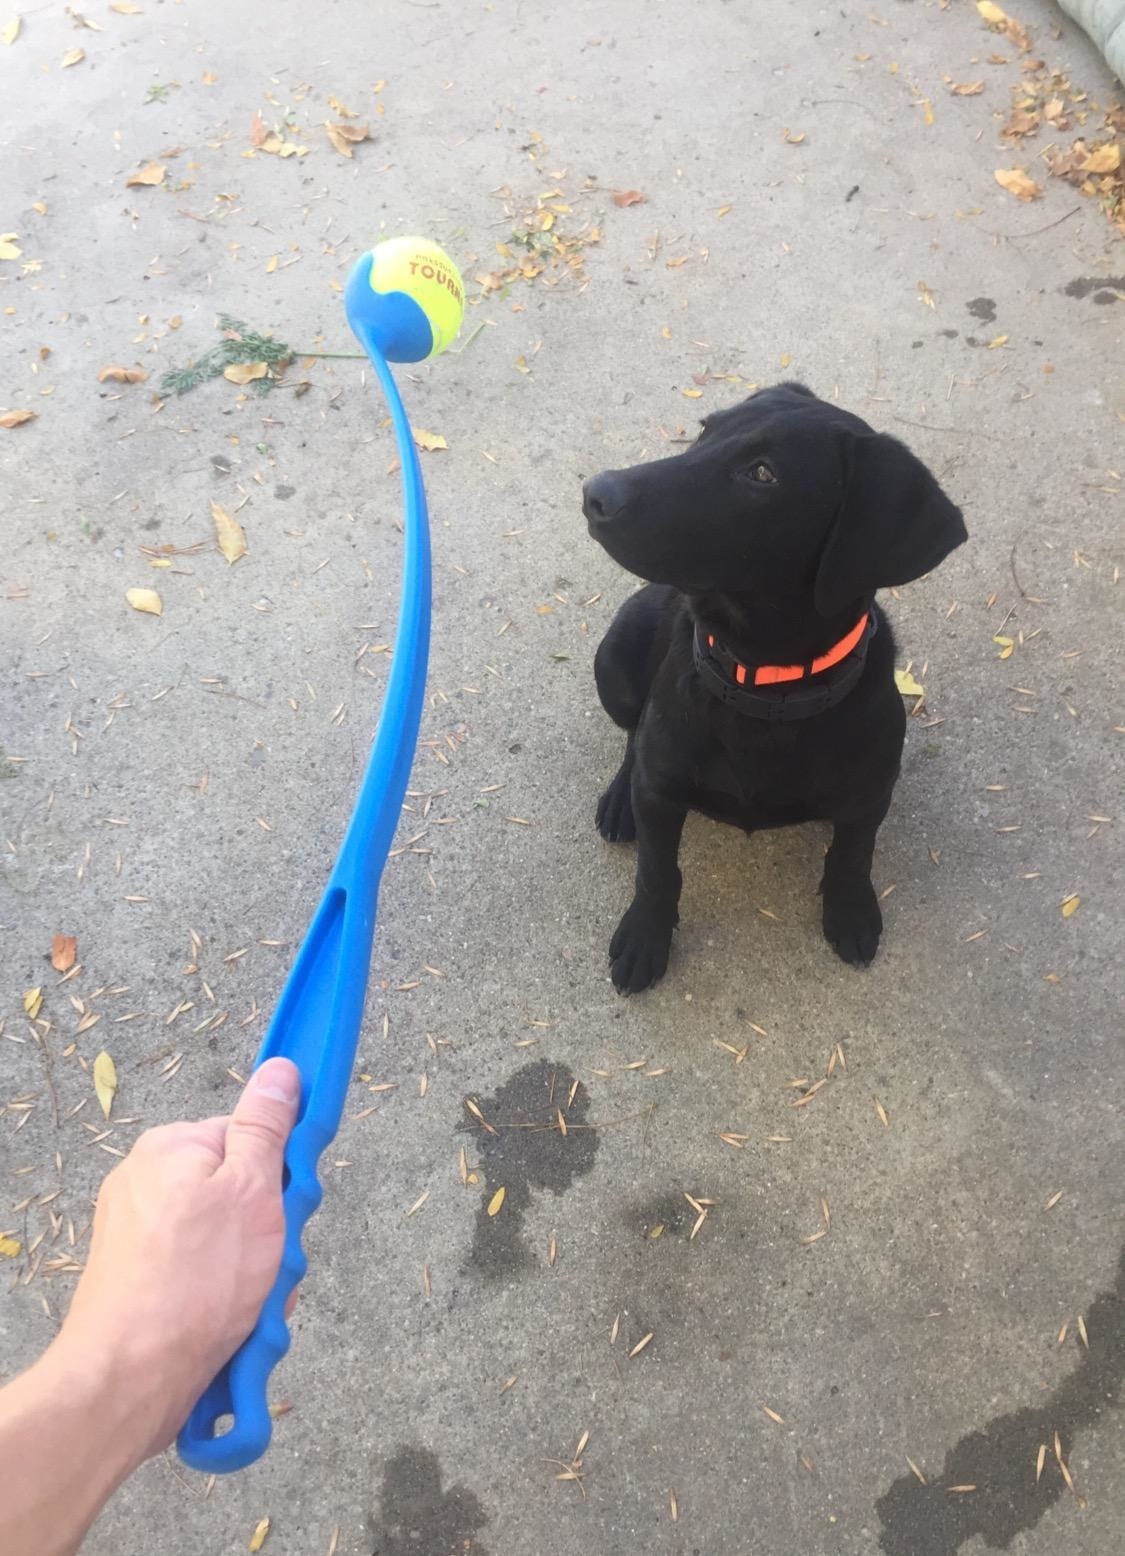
754	673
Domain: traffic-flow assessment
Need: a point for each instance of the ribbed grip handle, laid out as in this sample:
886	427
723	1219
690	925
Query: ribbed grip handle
239	1389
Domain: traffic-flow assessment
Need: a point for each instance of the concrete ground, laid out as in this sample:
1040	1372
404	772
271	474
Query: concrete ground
921	1264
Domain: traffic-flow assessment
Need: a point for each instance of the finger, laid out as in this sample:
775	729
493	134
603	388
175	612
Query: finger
262	1119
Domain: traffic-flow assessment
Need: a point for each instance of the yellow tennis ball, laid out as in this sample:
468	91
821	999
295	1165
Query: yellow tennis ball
410	296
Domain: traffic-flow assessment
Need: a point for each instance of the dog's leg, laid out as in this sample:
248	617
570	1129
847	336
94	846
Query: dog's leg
852	919
638	952
615	808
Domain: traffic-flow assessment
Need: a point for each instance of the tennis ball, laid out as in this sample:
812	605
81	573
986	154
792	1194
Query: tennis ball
407	296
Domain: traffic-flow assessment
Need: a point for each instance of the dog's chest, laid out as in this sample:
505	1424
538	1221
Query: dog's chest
764	766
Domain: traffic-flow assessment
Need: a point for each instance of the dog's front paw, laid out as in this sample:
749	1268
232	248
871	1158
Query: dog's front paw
638	952
615	811
853	922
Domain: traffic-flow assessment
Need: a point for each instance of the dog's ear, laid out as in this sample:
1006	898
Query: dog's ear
894	523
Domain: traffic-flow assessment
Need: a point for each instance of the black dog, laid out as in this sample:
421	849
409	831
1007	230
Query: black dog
754	674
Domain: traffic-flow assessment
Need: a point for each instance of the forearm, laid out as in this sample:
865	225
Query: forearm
70	1433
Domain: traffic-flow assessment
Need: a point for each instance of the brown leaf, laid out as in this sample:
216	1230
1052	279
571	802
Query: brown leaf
229	532
64	950
967	88
17	418
146	600
344	136
1019	124
122	375
1016	182
245	372
337	107
630	197
148	177
258	131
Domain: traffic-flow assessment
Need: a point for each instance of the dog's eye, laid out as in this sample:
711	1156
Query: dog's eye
759	472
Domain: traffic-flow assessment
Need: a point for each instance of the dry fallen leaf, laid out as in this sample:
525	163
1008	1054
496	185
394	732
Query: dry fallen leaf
907	685
9	1248
146	600
1070	906
17	418
105	1081
997	341
9	247
991	13
73	57
692	394
12	30
122	375
967	88
258	1538
496	1201
258	131
428	442
126	8
148	177
229	533
32	1001
630	197
1016	182
64	950
794	137
345	136
1103	159
245	372
337	107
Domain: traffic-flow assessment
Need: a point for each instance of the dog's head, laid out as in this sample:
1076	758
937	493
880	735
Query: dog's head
784	496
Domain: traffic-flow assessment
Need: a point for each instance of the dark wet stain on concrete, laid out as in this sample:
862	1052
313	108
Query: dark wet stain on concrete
1104	288
528	1152
418	1518
982	308
949	334
1000	1460
670	1212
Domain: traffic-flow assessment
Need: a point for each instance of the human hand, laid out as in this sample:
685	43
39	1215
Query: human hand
187	1243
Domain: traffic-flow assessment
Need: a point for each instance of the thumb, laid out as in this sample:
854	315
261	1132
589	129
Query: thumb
263	1117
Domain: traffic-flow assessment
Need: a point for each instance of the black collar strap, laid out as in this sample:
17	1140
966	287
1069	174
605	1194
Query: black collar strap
780	703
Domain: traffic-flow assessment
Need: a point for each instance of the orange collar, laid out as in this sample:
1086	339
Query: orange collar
760	692
772	675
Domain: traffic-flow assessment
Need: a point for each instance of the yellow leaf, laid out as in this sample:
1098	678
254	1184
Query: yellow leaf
428	442
12	30
990	13
337	107
927	110
496	1201
10	1248
125	8
64	950
907	685
794	138
16	418
1103	159
209	78
229	532
1070	906
784	360
967	88
724	210
271	264
105	1081
160	561
122	375
146	600
258	1538
1016	182
245	372
1003	641
148	177
1000	340
32	1001
691	394
73	57
9	248
521	365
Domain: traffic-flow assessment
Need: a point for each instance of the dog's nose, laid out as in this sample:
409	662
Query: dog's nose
603	497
